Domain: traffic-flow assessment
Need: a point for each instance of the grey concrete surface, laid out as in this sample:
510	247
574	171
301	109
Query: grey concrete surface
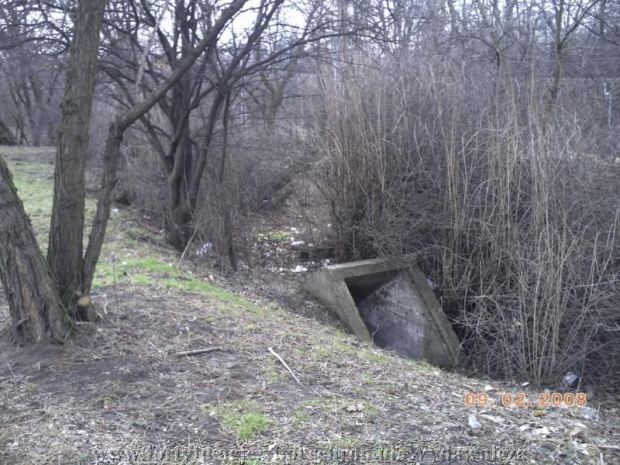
389	304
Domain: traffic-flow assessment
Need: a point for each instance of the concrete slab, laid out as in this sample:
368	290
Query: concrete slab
389	304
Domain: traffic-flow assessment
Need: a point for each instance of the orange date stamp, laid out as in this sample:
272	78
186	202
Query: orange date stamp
520	399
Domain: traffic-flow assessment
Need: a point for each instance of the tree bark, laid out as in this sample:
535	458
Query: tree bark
65	253
34	304
102	215
6	136
178	229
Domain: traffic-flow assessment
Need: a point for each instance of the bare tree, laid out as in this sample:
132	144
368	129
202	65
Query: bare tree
29	90
65	252
38	306
184	151
135	112
567	18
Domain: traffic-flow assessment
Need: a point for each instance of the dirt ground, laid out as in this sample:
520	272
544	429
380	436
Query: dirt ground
281	381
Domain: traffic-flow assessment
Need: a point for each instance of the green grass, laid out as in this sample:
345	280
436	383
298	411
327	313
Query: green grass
31	388
373	356
35	187
36	192
242	419
370	411
368	379
300	415
115	270
248	425
192	285
322	353
421	365
344	349
273	374
143	271
275	236
150	265
142	280
226	299
346	442
152	270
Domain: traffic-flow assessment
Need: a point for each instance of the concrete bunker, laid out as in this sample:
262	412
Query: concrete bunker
389	304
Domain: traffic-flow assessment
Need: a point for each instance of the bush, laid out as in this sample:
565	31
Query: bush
500	203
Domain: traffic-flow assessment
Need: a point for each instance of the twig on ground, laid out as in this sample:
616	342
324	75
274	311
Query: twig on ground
607	447
285	365
199	351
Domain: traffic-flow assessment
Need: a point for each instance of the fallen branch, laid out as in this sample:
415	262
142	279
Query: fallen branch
285	365
607	447
199	351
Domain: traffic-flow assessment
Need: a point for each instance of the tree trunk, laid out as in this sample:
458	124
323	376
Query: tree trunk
179	227
65	253
117	131
102	215
35	308
6	136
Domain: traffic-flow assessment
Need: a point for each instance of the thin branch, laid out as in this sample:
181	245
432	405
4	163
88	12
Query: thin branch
189	353
285	365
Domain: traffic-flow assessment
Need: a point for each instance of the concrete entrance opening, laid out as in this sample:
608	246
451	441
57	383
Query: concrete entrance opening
391	305
363	286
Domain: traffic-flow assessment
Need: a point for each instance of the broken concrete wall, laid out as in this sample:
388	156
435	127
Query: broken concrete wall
389	304
396	320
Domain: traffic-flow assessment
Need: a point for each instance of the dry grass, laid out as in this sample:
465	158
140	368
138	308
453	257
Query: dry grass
510	217
118	392
120	386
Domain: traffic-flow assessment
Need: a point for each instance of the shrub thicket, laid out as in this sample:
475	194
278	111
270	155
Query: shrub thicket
508	206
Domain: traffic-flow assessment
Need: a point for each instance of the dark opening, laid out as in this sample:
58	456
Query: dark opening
361	287
315	253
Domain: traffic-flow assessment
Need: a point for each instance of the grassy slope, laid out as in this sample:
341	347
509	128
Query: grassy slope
120	385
